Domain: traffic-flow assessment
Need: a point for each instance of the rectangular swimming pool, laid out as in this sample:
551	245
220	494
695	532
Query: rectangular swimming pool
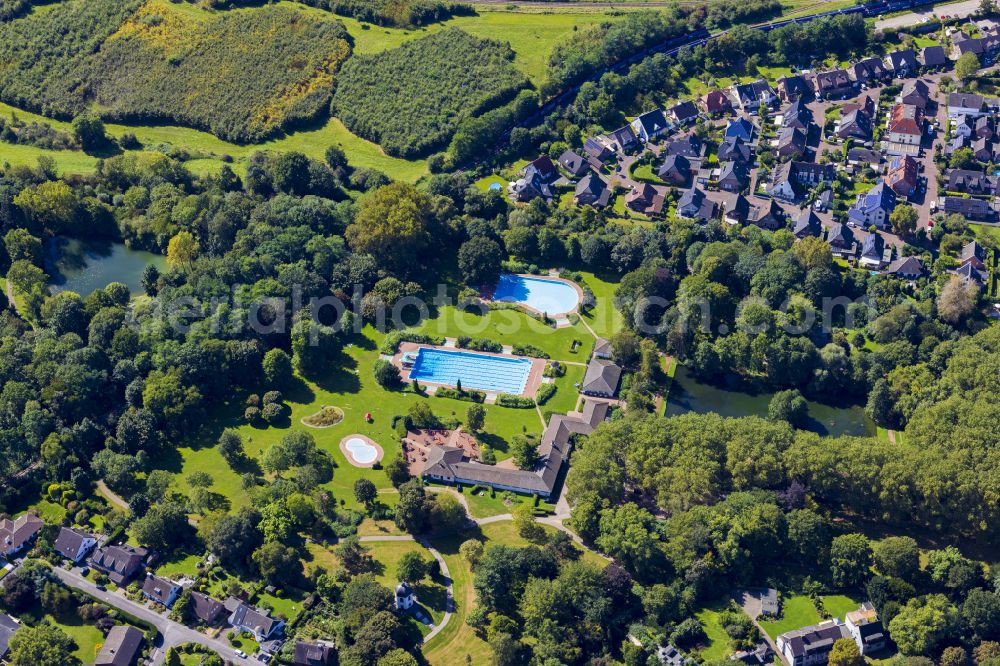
476	371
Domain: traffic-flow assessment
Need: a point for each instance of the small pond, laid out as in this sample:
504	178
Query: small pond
689	395
84	265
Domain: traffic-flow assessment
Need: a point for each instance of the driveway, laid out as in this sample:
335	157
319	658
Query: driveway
173	634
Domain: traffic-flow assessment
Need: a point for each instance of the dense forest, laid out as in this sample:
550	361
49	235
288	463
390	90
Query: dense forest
410	99
11	8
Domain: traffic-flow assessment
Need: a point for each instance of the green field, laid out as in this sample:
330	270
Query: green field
718	639
799	611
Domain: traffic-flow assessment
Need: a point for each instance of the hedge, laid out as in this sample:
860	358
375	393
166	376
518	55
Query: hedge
529	350
545	391
455	394
515	401
480	344
392	340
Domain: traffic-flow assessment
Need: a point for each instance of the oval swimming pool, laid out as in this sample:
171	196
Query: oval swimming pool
553	297
361	451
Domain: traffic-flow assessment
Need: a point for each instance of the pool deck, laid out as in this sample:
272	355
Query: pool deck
530	386
487	297
367	440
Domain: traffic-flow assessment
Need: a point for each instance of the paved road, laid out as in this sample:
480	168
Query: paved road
961	9
174	634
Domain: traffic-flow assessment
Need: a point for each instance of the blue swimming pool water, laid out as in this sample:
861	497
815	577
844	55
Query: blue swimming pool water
477	371
551	296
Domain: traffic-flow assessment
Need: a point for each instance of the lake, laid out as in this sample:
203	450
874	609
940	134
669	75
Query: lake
84	265
689	395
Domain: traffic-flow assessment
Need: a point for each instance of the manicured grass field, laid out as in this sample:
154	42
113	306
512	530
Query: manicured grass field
567	394
604	319
799	611
88	638
180	563
718	639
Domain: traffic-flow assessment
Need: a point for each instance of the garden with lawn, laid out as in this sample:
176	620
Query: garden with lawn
800	611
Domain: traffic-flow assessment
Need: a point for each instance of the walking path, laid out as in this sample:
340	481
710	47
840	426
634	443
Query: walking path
173	633
111	496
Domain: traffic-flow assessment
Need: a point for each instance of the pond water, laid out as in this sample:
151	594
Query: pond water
84	265
689	395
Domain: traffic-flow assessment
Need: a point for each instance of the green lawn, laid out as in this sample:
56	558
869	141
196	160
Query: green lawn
718	639
603	318
567	394
180	563
48	511
799	611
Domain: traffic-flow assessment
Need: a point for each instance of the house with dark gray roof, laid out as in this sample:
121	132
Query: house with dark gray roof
738	211
854	124
752	96
8	627
793	87
733	177
933	56
689	146
161	590
807	224
841	240
653	123
601	378
916	93
597	150
811	646
969	273
965	104
205	608
575	164
873	207
683	113
973	253
866	629
121	647
873	252
796	115
741	128
694	205
866	70
766	215
622	139
971	209
530	187
760	655
790	177
971	182
17	534
318	653
592	191
73	544
902	63
259	623
734	149
668	655
120	563
909	268
791	143
833	84
676	169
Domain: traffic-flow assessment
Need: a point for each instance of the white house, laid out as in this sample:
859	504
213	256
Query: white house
866	629
405	597
73	544
650	125
810	646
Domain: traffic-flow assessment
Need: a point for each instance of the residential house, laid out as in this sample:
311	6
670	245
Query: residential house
902	176
864	157
970	209
797	115
8	627
971	182
807	224
715	103
750	97
592	191
791	88
121	647
904	130
740	128
854	124
645	199
733	177
985	150
873	252
866	103
811	646
734	149
902	63
575	164
824	201
964	104
676	169
249	619
738	211
668	655
693	204
973	254
867	70
986	45
161	590
834	84
969	273
789	177
915	93
873	207
598	151
543	166
841	240
623	139
120	563
205	608
320	653
73	544
652	124
16	535
770	605
964	126
683	113
791	143
866	628
761	655
933	57
689	146
766	215
527	188
909	268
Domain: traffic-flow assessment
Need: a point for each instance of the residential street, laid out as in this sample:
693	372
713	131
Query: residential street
173	633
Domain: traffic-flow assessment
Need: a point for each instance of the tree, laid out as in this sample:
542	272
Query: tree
182	249
904	220
397	657
524	522
957	300
472	551
231	447
898	557
386	374
880	403
475	417
89	132
164	527
235	537
845	653
397	470
393	225
479	259
967	66
412	568
923	623
626	533
981	614
365	492
808	535
277	368
789	406
22	245
290	173
987	8
813	253
954	656
962	158
278	563
447	513
850	559
524	450
412	508
41	645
